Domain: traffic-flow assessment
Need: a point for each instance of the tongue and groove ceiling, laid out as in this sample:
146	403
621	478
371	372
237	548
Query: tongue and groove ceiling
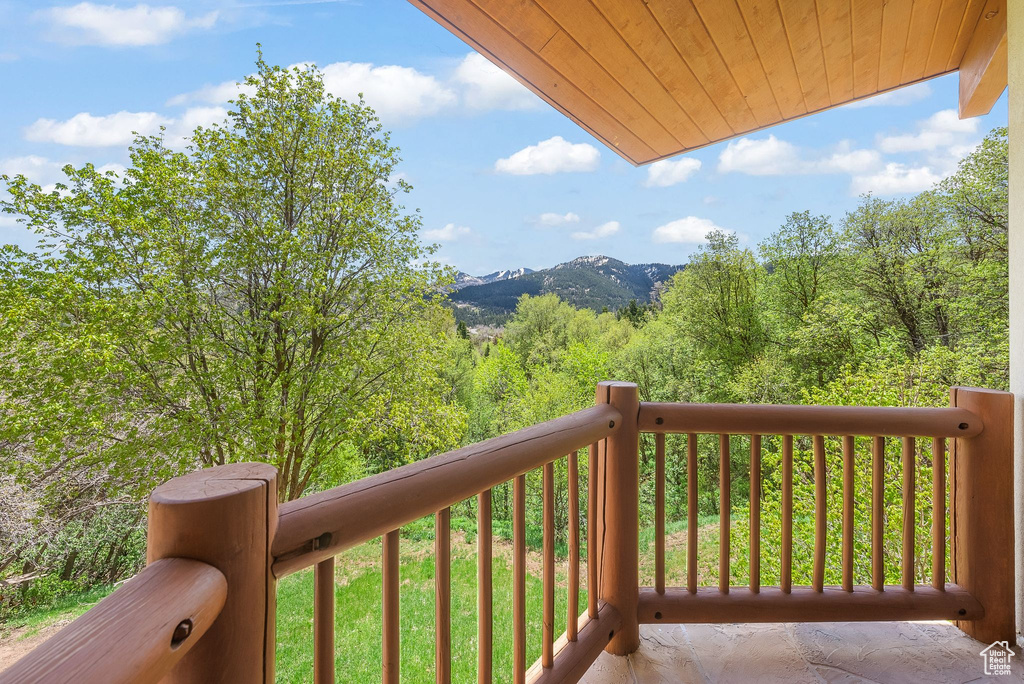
655	78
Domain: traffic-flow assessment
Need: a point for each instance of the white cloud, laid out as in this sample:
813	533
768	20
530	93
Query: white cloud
767	157
39	170
942	129
895	98
896	179
396	93
86	130
485	86
553	219
90	24
449	233
554	155
218	93
602	231
691	230
667	172
773	157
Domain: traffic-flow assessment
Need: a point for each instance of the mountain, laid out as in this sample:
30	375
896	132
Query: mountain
465	280
592	282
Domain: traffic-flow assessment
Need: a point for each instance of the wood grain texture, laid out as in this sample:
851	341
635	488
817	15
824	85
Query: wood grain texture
764	419
657	78
391	647
877	513
323	622
443	597
548	566
981	475
225	516
618	525
691	512
484	590
592	585
128	636
659	512
755	513
848	494
724	512
938	513
983	69
804	604
786	569
573	600
519	579
820	513
909	511
424	487
573	659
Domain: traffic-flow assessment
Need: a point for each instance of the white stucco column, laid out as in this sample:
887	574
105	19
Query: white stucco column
1015	78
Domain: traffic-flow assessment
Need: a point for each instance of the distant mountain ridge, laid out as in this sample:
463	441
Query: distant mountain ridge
463	279
592	282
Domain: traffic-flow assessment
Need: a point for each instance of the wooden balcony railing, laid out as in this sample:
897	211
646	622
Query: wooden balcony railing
204	609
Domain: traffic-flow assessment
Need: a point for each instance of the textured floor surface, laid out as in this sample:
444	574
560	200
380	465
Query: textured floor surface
834	652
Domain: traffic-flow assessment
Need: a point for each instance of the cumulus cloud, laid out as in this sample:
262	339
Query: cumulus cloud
396	93
120	129
896	179
691	230
773	157
665	173
39	170
215	93
943	129
895	98
485	86
109	25
602	231
86	130
448	233
554	155
554	219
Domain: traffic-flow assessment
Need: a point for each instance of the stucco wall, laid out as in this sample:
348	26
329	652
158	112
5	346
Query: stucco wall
1015	20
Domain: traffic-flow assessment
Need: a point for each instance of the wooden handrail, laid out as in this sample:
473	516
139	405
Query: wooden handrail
137	634
322	525
771	419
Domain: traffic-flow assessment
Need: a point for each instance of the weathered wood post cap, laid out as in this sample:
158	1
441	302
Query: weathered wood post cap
213	483
226	517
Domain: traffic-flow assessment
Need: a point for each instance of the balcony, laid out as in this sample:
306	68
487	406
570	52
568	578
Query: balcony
204	608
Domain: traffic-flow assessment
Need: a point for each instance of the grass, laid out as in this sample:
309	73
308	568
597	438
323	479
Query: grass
358	601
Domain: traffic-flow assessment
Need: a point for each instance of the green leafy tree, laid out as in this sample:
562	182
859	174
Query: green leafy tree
251	298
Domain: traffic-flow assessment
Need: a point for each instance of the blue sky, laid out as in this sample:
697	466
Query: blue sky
501	179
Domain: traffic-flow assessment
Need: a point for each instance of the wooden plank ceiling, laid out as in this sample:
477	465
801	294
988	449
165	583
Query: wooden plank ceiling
654	78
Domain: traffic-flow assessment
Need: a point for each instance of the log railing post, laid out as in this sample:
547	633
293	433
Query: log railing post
225	516
618	514
981	512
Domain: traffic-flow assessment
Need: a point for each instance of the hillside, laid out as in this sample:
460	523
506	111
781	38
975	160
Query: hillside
592	282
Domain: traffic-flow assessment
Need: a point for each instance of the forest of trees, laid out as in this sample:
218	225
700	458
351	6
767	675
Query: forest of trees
264	296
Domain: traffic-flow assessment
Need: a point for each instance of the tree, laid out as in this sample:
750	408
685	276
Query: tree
252	298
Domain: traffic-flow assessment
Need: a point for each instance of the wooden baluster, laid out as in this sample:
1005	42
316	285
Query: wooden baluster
443	597
877	519
391	637
939	513
573	599
724	509
484	589
755	513
659	512
848	446
519	580
592	532
691	513
909	512
323	622
786	571
548	568
818	580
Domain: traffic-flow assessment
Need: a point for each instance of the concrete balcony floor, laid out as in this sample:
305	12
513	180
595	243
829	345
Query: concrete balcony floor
832	652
